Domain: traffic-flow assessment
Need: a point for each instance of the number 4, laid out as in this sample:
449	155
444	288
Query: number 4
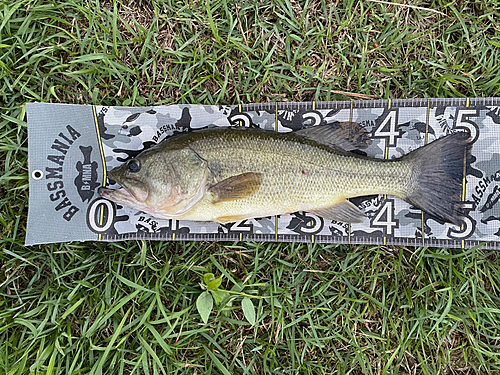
387	213
387	129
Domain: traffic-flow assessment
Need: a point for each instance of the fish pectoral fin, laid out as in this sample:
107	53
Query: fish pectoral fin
344	211
236	187
346	136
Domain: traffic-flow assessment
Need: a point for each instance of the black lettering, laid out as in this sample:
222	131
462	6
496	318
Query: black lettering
54	186
65	138
480	192
51	173
58	159
64	203
154	225
59	146
476	199
68	215
86	173
74	134
57	195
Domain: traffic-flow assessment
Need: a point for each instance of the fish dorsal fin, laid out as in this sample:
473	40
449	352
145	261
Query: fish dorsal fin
237	187
346	136
344	211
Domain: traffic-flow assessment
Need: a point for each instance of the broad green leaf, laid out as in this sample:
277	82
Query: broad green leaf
208	277
218	296
214	283
248	310
204	304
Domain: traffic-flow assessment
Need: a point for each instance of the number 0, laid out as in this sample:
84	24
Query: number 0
100	215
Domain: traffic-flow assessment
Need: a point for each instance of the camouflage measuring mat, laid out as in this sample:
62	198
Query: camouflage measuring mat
72	146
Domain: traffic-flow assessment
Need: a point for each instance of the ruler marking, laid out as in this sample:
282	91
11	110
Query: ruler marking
349	224
386	156
427	120
467	102
276	117
276	217
276	228
99	141
239	109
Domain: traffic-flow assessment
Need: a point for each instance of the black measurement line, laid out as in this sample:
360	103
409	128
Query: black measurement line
237	237
381	103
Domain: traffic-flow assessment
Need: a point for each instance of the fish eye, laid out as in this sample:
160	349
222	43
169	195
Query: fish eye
133	166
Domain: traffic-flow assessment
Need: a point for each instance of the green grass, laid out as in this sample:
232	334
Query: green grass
130	307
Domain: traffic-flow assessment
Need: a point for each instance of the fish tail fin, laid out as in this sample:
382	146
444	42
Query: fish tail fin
436	182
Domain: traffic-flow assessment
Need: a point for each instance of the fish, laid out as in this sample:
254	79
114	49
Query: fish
230	174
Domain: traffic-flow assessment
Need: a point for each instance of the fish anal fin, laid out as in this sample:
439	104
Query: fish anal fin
236	187
346	136
229	219
344	211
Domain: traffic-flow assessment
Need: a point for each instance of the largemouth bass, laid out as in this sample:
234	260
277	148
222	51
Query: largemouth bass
230	174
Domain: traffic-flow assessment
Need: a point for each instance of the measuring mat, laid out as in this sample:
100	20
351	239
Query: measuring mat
72	146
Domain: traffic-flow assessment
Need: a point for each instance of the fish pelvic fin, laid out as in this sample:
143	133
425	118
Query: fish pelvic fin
344	211
436	182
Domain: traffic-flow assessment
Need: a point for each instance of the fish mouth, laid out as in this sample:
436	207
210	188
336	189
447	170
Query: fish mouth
116	195
132	191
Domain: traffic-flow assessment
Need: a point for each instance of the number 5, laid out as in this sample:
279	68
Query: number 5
466	124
